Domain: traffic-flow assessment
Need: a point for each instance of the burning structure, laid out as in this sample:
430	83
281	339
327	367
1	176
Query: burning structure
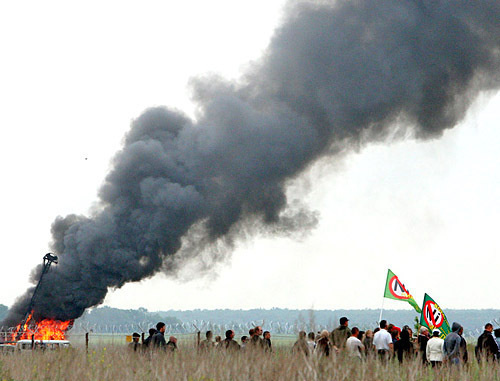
336	75
45	329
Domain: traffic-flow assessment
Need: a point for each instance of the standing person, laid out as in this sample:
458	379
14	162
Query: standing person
172	344
323	344
422	340
412	340
395	333
149	339
218	341
267	341
382	341
395	337
434	351
463	346
361	335
208	343
229	343
244	341
353	345
159	337
256	341
496	333
311	342
135	345
451	346
300	346
340	334
368	342
497	339
486	347
404	347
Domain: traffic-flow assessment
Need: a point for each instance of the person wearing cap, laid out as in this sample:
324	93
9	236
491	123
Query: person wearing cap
339	335
434	350
135	345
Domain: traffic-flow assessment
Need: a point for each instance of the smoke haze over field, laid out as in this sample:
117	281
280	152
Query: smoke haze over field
334	77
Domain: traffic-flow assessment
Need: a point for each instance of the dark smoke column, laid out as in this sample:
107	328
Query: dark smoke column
335	75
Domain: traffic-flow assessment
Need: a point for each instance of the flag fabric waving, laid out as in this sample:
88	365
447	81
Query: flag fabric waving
394	289
433	317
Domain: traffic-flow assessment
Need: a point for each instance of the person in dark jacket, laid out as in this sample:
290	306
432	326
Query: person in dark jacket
463	346
452	345
486	347
149	339
496	332
422	340
158	340
404	347
267	341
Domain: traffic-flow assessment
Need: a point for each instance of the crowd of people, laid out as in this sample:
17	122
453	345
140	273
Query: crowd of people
388	341
156	340
385	342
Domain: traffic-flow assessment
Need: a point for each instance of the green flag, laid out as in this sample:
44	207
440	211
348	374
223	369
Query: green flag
394	289
433	317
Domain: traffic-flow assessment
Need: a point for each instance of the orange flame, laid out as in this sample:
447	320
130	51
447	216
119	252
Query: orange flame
47	329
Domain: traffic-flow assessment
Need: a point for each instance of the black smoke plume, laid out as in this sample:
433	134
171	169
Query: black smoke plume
336	75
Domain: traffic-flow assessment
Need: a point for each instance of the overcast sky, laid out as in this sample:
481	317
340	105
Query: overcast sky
72	78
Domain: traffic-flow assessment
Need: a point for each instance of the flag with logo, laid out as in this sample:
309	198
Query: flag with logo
396	290
433	317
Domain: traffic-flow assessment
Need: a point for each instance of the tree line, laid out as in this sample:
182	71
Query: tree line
472	320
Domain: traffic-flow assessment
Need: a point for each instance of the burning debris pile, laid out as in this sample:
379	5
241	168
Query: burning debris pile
335	75
46	329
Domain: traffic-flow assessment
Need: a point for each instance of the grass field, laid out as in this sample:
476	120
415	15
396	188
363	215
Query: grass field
117	362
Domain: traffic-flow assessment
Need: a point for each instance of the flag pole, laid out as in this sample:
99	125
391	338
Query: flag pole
381	309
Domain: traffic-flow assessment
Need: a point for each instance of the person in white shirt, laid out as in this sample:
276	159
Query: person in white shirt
434	352
382	341
353	345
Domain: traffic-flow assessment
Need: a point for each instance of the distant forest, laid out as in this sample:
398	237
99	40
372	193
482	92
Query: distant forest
286	320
